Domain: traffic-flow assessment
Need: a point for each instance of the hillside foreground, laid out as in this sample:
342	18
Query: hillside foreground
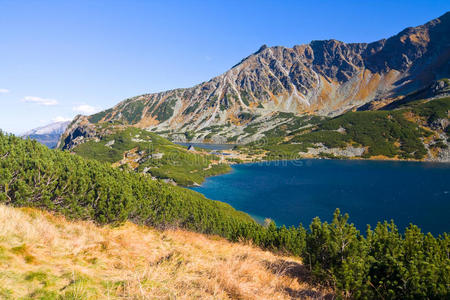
43	256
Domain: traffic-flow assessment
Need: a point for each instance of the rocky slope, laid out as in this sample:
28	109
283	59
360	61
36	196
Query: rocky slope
323	78
48	135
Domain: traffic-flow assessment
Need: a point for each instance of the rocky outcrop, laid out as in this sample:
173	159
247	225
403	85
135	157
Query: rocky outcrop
76	132
348	152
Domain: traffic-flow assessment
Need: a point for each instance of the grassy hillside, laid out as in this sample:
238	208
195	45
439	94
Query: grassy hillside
145	151
46	257
383	263
410	132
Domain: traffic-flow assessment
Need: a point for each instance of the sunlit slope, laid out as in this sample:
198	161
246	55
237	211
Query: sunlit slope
43	256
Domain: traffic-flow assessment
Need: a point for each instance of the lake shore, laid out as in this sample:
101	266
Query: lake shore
235	156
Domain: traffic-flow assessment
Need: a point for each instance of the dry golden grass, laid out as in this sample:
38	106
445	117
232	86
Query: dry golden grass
44	256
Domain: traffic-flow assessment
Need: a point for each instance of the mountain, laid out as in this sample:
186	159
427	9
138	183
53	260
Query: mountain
324	78
49	134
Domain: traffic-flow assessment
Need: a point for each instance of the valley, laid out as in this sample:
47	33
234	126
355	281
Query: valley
415	131
238	187
85	189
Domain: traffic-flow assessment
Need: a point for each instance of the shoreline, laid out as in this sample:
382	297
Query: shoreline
373	158
331	159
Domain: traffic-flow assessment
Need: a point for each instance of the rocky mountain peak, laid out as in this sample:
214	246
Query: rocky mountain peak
263	47
325	77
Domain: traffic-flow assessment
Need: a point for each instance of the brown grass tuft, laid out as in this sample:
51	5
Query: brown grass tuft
80	260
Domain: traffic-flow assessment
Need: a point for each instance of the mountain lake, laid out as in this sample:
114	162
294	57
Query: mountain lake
293	192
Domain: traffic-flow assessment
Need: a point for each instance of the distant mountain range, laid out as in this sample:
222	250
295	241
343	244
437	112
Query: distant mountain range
275	86
49	134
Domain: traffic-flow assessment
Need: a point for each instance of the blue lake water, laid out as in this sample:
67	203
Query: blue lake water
293	192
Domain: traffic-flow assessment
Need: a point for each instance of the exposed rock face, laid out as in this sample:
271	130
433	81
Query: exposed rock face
76	133
322	78
348	151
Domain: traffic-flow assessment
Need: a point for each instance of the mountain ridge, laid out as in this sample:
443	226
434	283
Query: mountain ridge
52	128
324	78
49	134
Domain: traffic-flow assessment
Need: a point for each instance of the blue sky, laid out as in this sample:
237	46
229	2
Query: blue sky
60	58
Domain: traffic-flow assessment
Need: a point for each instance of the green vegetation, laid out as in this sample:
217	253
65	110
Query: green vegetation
377	130
232	139
245	116
251	129
32	175
431	110
385	133
191	108
235	160
98	116
330	156
160	157
282	151
189	135
293	125
245	98
133	111
383	264
212	130
165	109
225	102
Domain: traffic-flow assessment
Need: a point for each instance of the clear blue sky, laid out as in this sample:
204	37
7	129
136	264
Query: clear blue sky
58	58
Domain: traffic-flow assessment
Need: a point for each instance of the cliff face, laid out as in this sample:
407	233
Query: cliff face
320	78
